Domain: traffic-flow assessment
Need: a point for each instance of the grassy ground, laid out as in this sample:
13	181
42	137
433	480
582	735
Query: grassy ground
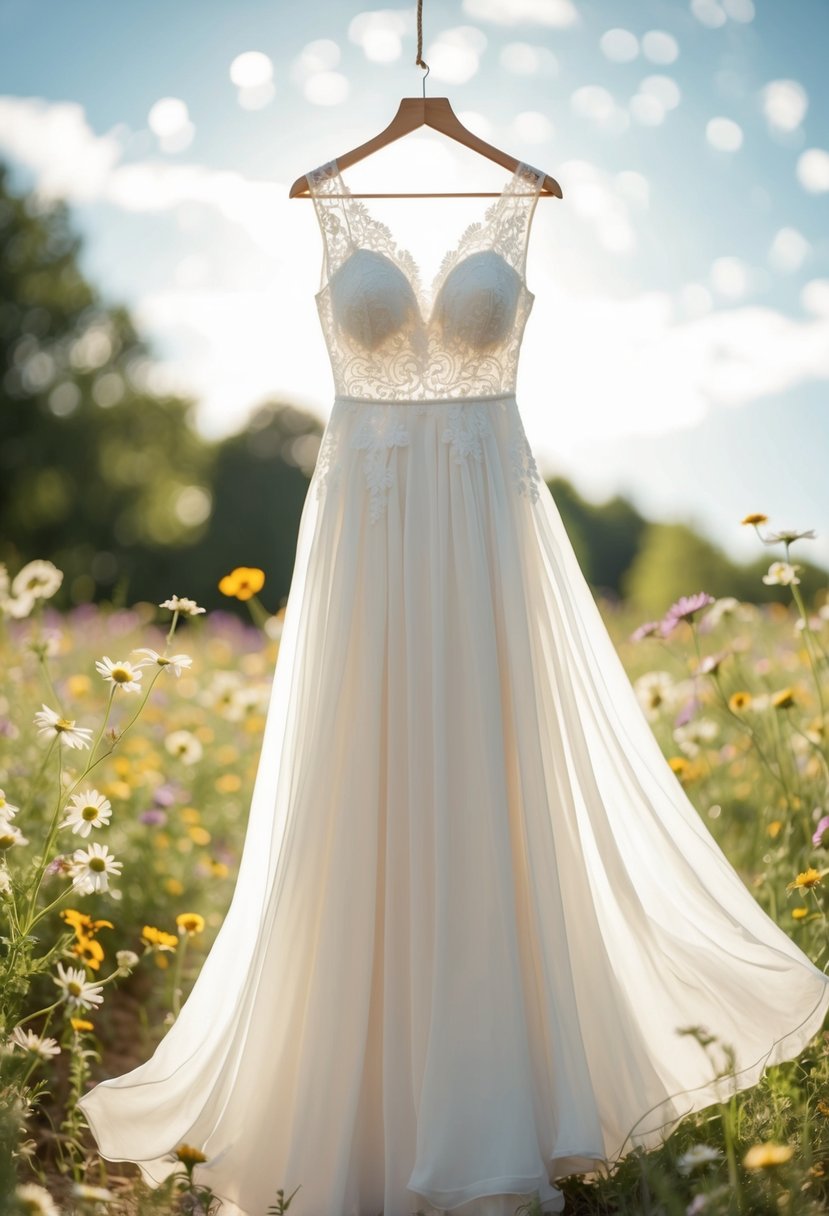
736	696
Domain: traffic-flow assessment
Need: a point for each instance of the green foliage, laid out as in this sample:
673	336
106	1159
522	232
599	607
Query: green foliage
105	475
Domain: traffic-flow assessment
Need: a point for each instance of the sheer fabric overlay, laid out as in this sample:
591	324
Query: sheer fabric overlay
475	907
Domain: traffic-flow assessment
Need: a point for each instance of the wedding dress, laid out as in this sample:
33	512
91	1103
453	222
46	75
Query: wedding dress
474	906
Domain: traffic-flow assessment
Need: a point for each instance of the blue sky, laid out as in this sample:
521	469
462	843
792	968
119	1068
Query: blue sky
678	348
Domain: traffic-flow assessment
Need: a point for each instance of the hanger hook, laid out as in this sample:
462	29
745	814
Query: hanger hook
425	65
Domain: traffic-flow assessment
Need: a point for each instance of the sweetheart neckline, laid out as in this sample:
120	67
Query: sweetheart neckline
425	321
450	259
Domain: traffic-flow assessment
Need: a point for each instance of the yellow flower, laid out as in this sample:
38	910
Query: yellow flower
173	886
783	699
199	835
78	686
242	583
761	1155
805	880
189	814
190	923
679	765
80	1024
823	1107
219	869
756	517
774	828
228	783
799	913
739	700
90	951
189	1156
157	939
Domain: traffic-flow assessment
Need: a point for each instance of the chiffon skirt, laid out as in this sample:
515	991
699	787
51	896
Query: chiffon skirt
474	906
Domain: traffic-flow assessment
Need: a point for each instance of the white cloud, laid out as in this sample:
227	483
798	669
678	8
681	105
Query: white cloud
595	103
55	140
169	120
326	88
628	367
788	250
815	297
784	103
68	160
724	134
619	46
525	59
660	47
739	10
532	127
380	33
708	12
813	170
664	88
455	55
559	14
730	277
251	69
603	201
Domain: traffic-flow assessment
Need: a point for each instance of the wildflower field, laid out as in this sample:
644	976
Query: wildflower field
129	740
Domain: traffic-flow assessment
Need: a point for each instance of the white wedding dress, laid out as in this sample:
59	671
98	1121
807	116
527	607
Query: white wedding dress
475	905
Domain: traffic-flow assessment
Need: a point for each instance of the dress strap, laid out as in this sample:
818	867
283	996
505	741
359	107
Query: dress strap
326	187
513	216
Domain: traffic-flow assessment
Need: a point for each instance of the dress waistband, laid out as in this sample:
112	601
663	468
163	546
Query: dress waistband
422	400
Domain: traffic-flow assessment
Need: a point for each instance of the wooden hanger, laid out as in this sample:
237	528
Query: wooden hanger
435	112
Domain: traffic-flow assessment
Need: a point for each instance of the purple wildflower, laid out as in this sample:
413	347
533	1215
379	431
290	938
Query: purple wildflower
684	610
165	795
645	631
687	712
154	817
821	837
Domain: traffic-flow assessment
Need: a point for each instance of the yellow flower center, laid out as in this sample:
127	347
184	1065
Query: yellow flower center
74	988
89	813
6	841
64	724
97	863
121	676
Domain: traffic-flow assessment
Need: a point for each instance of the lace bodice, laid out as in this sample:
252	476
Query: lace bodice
386	340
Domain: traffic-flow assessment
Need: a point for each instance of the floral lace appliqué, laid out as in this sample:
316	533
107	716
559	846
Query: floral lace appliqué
377	434
465	426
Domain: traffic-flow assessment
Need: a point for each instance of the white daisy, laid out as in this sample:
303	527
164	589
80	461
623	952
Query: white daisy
180	604
185	745
654	691
697	1154
95	1194
29	1041
10	835
86	811
49	724
76	990
782	574
91	868
6	808
122	674
127	961
174	661
33	1200
39	579
19	607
